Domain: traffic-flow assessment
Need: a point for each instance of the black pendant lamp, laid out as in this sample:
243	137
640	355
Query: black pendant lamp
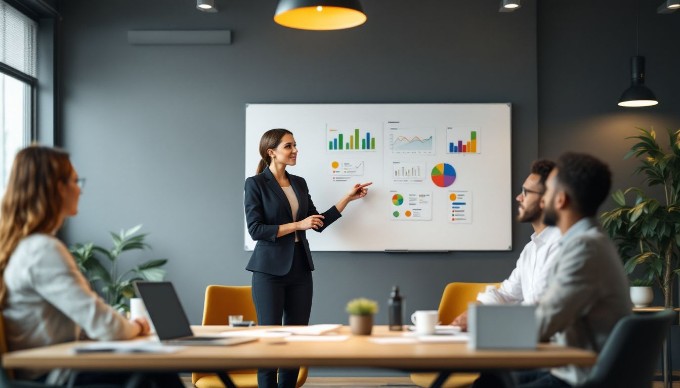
637	95
319	14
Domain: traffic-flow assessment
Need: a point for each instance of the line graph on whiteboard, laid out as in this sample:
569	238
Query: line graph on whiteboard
404	141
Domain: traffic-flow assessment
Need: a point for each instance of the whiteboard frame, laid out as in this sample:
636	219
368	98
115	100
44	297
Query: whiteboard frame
368	224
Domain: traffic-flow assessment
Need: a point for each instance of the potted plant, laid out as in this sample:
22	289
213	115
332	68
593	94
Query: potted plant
361	311
646	229
641	293
113	283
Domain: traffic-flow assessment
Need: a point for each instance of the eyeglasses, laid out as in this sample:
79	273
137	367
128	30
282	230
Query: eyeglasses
80	182
525	191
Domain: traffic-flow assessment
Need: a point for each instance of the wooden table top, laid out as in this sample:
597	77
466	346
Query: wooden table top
356	351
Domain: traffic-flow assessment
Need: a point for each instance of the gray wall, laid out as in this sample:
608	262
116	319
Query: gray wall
159	130
584	66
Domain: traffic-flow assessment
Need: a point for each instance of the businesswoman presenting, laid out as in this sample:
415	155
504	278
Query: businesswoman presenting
279	210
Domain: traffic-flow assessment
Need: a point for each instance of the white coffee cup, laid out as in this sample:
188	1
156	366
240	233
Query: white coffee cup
138	310
425	321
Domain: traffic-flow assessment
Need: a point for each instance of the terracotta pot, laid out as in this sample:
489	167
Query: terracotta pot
361	324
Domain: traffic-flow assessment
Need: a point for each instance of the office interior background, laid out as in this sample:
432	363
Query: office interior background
158	130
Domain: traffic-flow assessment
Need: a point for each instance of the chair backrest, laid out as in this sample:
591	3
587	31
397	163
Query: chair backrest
222	301
456	297
3	340
5	375
629	357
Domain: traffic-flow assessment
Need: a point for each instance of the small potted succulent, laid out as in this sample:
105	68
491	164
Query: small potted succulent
361	311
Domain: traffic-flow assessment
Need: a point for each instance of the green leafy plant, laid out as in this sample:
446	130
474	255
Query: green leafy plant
647	231
102	268
362	306
641	282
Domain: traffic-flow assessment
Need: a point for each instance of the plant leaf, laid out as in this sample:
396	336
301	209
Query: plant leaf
619	198
117	289
153	274
152	264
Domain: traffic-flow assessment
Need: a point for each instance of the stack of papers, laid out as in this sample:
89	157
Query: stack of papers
442	333
441	329
308	330
124	347
284	331
412	338
316	338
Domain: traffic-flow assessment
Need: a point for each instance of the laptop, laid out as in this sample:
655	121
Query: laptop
170	320
502	326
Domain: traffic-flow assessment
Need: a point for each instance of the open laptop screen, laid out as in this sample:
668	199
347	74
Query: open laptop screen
165	309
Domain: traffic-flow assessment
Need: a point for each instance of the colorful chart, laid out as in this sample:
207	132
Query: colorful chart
462	141
411	205
355	140
461	207
443	175
410	141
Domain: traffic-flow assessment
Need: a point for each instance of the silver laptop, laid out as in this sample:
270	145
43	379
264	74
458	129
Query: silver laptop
170	320
502	327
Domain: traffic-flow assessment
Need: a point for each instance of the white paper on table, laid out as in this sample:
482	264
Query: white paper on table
394	340
316	338
440	329
458	338
312	330
308	330
125	347
260	333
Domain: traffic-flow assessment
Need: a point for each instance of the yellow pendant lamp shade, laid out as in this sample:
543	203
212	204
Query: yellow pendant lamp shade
319	14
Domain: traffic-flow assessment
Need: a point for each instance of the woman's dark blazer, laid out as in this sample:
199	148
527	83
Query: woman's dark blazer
267	207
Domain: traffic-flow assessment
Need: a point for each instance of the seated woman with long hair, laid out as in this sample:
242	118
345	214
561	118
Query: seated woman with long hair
44	298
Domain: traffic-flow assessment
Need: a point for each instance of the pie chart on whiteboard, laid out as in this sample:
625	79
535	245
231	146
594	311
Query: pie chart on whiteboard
443	175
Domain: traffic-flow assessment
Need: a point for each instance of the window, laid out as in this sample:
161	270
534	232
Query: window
17	85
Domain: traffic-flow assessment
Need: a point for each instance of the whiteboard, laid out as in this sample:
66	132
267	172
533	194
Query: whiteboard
441	173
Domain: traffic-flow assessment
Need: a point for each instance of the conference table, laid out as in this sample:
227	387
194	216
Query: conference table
354	351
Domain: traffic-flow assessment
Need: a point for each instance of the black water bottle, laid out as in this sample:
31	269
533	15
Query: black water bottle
395	310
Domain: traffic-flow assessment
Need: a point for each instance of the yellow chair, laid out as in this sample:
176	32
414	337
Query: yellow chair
220	302
454	302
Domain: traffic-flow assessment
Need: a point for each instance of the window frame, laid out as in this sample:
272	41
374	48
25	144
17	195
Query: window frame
33	84
46	125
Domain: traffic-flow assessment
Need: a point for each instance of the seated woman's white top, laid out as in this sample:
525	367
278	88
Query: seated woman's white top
47	297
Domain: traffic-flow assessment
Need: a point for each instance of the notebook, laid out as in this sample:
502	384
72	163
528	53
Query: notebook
170	320
502	327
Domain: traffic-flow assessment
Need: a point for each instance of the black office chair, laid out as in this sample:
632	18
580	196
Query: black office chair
630	354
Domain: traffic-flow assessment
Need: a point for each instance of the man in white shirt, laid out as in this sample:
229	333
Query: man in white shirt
527	282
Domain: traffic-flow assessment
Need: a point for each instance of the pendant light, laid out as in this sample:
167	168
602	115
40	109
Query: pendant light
206	5
637	95
669	6
509	5
319	14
